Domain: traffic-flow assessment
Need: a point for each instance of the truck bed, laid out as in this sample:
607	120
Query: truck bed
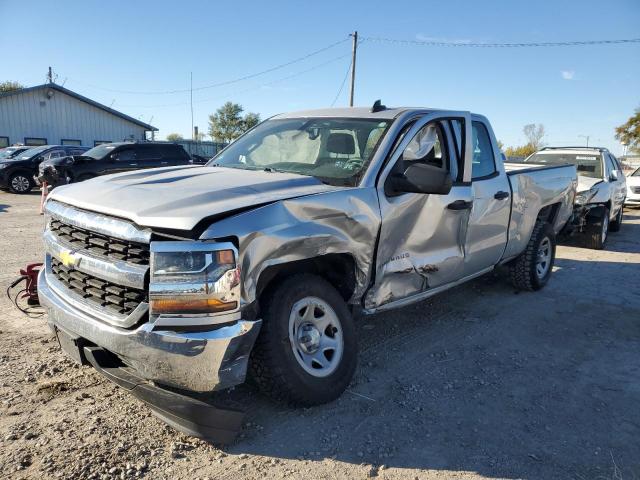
534	186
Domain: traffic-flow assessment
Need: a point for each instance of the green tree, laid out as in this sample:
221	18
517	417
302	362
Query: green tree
629	132
174	137
9	86
521	151
227	123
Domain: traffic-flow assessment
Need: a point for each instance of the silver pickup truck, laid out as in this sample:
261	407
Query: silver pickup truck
183	279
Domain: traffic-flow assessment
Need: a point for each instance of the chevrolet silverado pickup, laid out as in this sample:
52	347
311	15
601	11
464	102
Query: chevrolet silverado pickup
180	280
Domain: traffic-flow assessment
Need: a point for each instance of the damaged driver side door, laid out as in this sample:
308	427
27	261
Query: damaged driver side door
425	200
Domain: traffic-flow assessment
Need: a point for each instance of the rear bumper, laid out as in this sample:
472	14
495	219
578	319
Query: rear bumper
200	361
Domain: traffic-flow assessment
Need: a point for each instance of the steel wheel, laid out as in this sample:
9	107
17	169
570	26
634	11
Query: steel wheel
20	184
316	336
544	257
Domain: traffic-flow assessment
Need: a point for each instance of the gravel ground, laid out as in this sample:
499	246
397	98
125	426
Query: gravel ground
480	382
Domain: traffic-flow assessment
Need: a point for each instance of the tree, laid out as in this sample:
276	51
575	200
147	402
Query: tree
534	134
10	86
629	132
227	123
174	137
521	151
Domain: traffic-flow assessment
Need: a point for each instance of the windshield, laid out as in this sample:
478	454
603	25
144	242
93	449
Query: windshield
336	151
99	152
32	152
7	152
587	165
636	173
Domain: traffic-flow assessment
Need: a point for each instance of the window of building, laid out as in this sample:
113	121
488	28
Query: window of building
67	141
4	142
101	142
35	141
483	163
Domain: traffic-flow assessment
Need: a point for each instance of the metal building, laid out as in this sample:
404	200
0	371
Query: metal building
54	115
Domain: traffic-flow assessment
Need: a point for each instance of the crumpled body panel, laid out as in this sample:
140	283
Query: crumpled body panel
343	222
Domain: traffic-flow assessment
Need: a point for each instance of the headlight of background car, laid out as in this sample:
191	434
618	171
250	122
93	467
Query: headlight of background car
193	278
583	198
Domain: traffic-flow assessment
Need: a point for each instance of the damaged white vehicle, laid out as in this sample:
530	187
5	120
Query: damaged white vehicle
181	279
601	189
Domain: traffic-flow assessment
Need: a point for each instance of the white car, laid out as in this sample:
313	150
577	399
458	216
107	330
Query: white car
633	189
601	189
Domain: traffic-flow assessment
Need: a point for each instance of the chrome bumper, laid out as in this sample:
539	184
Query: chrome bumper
203	361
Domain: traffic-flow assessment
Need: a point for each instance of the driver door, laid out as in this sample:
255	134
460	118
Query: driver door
422	236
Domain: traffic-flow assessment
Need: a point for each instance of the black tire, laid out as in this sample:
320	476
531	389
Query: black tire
597	233
20	183
274	364
523	270
615	225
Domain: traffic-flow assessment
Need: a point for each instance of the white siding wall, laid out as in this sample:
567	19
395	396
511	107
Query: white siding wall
32	114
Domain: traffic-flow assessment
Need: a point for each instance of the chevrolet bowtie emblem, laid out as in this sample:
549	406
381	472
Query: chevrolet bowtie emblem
68	259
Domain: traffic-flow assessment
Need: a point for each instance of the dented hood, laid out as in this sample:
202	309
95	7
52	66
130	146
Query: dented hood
180	197
585	183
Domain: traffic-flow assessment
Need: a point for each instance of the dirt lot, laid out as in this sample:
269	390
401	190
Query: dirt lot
480	382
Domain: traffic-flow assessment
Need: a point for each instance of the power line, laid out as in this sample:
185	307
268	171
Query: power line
344	80
238	92
226	82
435	43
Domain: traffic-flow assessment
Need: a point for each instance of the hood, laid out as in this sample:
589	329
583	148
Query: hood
180	197
585	183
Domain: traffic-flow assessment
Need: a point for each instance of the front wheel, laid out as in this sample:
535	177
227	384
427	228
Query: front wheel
306	352
597	233
532	269
20	183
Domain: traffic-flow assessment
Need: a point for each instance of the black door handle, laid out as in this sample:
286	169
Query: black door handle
501	195
460	205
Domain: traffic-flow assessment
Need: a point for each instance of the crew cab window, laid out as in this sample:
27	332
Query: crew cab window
125	155
483	163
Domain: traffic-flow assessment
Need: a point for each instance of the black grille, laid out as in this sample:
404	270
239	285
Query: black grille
635	189
101	245
122	300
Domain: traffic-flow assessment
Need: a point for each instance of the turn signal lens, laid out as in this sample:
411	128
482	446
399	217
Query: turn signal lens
225	257
185	305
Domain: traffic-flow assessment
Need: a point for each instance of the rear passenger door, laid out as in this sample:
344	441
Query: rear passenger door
489	218
149	156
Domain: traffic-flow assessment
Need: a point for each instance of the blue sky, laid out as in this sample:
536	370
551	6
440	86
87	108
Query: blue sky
145	46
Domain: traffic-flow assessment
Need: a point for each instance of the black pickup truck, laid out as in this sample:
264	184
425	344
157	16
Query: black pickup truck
117	157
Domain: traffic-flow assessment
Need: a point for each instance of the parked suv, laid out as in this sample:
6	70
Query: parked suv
117	157
601	189
16	174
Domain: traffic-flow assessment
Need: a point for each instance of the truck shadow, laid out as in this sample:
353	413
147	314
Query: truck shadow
483	379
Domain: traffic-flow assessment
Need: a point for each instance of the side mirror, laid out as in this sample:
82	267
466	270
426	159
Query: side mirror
66	161
614	176
420	178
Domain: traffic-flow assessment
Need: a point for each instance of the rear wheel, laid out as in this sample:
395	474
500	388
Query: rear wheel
615	225
532	269
307	350
597	233
20	183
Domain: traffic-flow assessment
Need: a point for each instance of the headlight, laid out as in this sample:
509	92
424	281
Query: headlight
583	198
193	278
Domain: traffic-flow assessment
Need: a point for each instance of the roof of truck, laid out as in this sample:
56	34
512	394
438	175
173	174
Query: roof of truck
352	112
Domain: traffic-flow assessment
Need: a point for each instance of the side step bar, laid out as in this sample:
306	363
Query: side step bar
187	414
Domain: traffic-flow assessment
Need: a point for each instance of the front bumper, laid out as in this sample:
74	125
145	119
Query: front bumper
200	361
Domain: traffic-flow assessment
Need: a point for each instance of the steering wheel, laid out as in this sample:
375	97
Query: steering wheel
354	164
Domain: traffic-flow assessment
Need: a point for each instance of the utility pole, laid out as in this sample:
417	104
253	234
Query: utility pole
50	75
191	93
354	48
585	136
